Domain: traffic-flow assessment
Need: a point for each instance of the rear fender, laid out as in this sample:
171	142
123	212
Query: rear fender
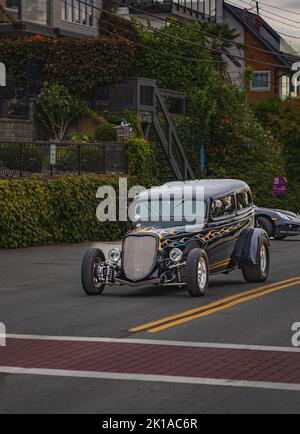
247	246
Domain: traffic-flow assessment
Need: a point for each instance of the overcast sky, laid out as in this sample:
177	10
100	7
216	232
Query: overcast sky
284	17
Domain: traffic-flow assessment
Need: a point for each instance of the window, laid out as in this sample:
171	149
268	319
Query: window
243	201
222	207
35	11
261	81
169	212
79	12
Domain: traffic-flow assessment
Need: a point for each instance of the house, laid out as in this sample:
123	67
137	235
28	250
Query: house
49	18
263	51
158	10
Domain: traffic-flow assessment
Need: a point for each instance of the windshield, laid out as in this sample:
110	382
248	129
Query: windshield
169	213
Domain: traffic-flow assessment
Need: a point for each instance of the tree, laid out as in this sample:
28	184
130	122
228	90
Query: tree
57	108
220	39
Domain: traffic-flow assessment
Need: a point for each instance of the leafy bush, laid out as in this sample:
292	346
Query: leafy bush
106	131
78	64
57	108
59	210
141	162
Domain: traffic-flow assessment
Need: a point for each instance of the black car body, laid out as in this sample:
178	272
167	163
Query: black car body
278	224
170	252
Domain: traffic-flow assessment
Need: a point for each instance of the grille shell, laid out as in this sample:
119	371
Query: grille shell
139	256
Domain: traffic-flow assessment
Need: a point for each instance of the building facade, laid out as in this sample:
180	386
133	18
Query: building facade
263	52
156	11
78	18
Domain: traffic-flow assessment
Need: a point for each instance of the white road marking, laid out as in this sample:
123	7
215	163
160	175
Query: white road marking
150	378
155	342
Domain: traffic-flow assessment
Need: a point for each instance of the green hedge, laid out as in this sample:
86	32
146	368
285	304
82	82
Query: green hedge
63	209
78	64
59	210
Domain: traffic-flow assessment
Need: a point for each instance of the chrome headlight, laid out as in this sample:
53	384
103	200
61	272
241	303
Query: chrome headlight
114	255
176	255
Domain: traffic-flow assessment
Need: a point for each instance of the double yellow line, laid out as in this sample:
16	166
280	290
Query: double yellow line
209	309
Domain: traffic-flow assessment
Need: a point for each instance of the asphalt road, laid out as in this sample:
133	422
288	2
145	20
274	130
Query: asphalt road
41	294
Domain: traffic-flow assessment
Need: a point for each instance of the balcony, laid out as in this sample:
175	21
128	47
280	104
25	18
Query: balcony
152	6
32	11
205	10
20	18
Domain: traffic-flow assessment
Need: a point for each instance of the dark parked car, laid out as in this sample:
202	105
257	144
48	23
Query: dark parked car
174	252
277	223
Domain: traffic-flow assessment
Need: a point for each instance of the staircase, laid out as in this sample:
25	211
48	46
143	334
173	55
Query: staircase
144	97
170	141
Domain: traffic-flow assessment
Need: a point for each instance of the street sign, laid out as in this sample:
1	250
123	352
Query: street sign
280	185
53	155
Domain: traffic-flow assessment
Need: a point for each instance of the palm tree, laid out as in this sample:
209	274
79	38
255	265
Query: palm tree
220	39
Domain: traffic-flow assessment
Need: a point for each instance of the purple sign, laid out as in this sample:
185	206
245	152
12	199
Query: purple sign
280	186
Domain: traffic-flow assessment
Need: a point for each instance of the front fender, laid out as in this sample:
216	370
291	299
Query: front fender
247	246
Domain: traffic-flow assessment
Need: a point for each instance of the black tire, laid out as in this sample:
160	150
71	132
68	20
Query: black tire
195	259
90	263
258	273
266	224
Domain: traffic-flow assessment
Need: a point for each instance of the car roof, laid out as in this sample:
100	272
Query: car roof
213	188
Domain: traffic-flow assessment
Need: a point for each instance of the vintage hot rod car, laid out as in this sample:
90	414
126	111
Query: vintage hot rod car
174	252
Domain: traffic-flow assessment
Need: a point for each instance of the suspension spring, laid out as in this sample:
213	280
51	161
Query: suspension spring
179	275
110	274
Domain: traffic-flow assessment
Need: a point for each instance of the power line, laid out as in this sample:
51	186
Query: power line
271	13
183	58
202	32
199	45
276	7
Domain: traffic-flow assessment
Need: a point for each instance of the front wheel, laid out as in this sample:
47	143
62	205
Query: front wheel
92	272
255	273
265	224
197	272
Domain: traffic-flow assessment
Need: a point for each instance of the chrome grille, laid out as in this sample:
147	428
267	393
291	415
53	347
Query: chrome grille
139	256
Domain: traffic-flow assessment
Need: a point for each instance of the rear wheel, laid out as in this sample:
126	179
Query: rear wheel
197	272
265	224
91	270
255	273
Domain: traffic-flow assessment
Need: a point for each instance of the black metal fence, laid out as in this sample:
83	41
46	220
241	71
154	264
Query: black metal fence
46	159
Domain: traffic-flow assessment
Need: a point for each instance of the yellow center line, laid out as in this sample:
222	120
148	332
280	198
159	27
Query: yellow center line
224	307
208	306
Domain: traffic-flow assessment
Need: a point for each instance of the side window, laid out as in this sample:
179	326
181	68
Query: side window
243	201
222	207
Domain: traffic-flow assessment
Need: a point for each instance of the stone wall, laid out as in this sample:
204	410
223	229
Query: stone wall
16	130
19	129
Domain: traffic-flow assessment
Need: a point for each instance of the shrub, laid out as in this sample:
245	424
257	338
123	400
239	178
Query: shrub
106	131
141	162
57	108
58	210
78	64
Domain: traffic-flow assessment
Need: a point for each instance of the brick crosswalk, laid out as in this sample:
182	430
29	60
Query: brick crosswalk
157	359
